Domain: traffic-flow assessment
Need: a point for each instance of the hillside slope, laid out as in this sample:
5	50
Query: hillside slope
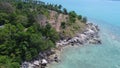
28	27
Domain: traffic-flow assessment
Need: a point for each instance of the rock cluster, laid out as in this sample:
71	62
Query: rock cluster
39	62
90	35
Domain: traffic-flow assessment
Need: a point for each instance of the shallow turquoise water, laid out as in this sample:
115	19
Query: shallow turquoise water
106	14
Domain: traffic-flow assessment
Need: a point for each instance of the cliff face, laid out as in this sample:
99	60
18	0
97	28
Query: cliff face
56	19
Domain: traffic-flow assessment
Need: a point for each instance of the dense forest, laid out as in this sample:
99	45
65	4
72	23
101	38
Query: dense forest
21	37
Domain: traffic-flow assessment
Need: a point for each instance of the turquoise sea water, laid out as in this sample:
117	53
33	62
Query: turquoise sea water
105	13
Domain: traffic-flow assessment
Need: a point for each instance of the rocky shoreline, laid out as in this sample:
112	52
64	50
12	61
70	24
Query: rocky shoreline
89	36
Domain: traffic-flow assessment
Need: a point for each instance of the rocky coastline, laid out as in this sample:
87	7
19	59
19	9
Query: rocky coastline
89	36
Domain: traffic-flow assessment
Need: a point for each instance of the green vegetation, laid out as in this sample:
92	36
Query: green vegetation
6	62
72	16
63	25
21	36
79	17
65	11
74	24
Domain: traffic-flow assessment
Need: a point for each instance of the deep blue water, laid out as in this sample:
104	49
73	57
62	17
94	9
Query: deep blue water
105	13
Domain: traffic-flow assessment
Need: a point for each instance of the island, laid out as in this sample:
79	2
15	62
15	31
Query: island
31	31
